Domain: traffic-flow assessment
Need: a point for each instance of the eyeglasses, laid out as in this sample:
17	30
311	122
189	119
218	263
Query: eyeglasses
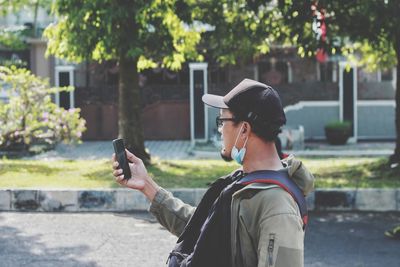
220	121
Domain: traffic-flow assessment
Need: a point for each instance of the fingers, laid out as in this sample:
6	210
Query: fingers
114	161
131	183
115	165
120	179
131	157
118	172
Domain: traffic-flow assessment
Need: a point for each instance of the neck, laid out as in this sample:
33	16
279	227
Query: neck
261	156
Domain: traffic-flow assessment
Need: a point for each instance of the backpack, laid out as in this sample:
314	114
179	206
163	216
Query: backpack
203	242
281	179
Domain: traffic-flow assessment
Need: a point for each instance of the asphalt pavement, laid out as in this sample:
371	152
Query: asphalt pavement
136	239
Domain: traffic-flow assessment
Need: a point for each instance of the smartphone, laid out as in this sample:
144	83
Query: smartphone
120	154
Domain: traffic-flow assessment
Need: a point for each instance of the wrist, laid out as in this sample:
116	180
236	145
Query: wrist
150	189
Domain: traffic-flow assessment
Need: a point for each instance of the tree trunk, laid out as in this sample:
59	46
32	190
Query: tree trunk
129	110
395	158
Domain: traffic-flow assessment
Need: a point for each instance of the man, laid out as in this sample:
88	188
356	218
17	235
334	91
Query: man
237	223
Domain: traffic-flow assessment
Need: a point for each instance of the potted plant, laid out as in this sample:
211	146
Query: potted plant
337	132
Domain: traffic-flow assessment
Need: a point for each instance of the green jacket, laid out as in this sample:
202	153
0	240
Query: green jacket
267	229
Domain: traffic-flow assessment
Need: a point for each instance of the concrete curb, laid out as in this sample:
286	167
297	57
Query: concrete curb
309	153
122	200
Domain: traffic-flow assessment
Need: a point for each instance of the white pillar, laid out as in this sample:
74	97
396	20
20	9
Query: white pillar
379	75
255	71
334	71
70	71
194	67
318	68
71	94
289	72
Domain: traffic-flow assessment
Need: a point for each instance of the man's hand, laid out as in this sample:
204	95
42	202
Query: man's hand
140	179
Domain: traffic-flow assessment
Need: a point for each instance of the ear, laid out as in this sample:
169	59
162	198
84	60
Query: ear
246	127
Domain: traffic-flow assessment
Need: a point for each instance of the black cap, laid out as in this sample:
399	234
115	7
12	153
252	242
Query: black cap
252	101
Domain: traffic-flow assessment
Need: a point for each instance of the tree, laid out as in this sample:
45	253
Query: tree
239	31
137	34
371	26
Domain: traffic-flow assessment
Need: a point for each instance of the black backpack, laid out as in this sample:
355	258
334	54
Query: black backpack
205	241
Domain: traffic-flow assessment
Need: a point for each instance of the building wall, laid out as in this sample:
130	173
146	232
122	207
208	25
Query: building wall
304	70
158	92
167	120
376	120
313	117
373	90
41	65
212	127
307	91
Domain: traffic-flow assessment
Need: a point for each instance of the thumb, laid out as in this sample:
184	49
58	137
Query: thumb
131	157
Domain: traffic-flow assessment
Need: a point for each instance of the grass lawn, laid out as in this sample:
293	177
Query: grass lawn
329	172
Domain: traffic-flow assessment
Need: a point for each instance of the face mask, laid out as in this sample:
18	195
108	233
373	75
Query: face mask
238	155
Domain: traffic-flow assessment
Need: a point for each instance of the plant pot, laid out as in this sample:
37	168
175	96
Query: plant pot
337	136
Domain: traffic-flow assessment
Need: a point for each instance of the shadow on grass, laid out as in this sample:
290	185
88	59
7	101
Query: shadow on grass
191	174
182	176
104	176
29	167
382	168
174	175
370	174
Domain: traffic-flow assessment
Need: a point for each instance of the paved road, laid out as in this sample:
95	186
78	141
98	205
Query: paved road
106	239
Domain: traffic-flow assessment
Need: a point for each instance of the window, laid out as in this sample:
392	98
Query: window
327	72
387	75
4	88
275	72
218	74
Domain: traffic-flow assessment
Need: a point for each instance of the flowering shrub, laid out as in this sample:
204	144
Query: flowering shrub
29	117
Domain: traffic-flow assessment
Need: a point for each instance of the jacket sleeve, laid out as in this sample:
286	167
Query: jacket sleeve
281	238
278	245
170	211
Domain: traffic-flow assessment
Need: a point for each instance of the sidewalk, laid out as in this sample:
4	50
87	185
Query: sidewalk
371	149
182	150
91	150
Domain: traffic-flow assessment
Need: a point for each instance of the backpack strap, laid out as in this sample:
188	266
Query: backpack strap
280	178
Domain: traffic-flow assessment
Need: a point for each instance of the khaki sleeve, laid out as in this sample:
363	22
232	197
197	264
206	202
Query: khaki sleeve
281	241
170	211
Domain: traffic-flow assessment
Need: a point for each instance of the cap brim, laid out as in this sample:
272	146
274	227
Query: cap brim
215	101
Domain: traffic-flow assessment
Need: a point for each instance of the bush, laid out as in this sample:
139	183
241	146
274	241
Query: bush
339	125
30	118
337	132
